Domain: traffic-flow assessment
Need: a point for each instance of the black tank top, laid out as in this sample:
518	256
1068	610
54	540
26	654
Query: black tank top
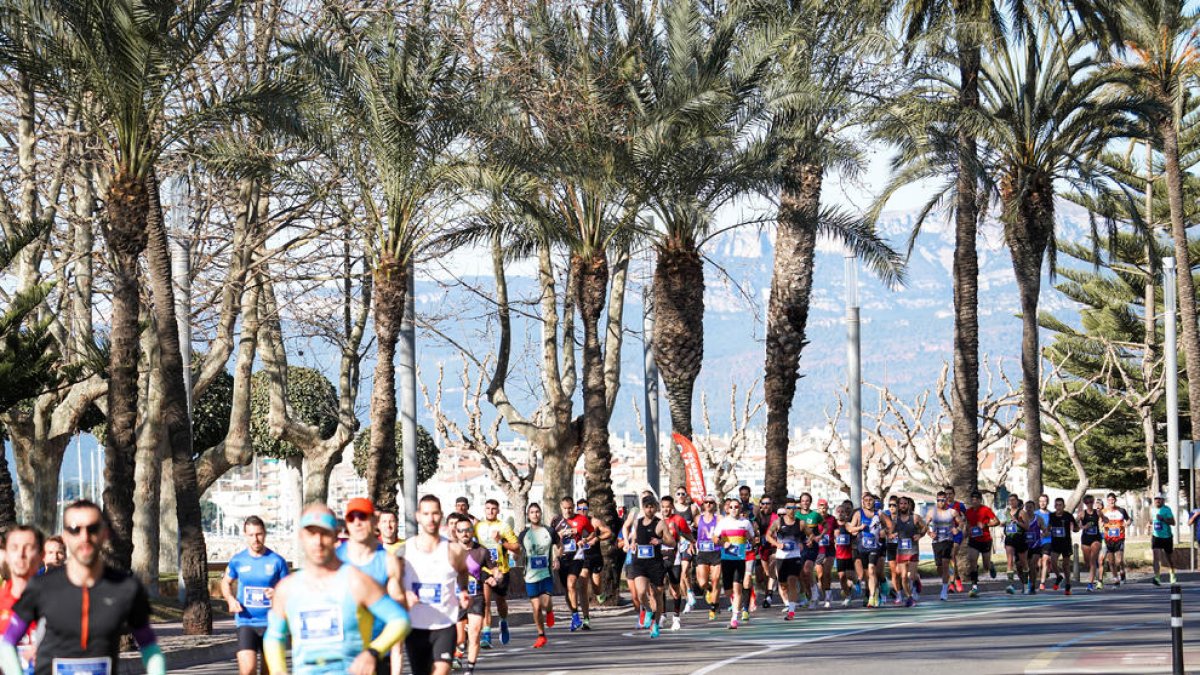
646	534
905	529
789	531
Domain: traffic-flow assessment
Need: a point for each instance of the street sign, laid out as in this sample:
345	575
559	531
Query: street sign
1188	455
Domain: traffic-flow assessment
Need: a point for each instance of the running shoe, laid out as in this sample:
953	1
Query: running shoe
1117	583
691	603
485	640
642	619
712	615
675	623
587	623
550	618
1091	588
974	592
647	619
753	601
898	601
1173	578
733	624
576	622
710	597
1011	590
1155	580
766	603
1067	590
1053	587
944	597
654	630
958	586
1041	587
539	642
601	599
1123	575
909	602
827	604
790	615
745	615
846	602
504	634
992	570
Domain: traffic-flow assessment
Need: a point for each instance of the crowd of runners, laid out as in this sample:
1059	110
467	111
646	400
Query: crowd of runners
364	601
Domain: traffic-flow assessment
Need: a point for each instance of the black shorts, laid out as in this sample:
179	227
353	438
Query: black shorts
712	558
674	573
594	562
790	567
892	551
731	571
569	567
809	554
476	606
943	550
1115	545
845	564
426	647
501	587
250	638
981	546
1162	544
1088	540
1017	543
1061	547
867	557
1035	551
650	568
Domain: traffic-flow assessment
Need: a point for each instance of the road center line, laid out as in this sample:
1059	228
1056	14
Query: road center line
734	659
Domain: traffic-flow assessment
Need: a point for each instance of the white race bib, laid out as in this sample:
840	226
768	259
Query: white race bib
472	586
100	665
569	546
538	562
1058	532
706	546
320	624
255	597
645	551
789	545
428	594
905	545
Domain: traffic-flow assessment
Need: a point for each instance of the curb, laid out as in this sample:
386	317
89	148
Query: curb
131	662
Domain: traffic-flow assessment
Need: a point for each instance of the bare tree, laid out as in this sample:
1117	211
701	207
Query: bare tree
720	460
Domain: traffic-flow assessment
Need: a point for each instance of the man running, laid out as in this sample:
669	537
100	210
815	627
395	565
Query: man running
1062	524
500	540
1015	548
84	607
538	544
1090	541
825	552
688	509
1045	560
956	548
945	522
462	505
255	571
389	531
890	553
787	536
811	521
676	583
745	504
980	521
479	572
589	532
734	535
1162	539
843	547
650	534
363	550
1115	522
708	554
23	548
764	552
436	583
907	528
868	529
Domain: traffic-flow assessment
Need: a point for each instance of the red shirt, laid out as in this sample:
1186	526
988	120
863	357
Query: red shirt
25	650
681	526
980	516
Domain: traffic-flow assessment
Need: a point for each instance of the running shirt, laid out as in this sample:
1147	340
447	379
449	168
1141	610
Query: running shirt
395	546
26	648
1061	525
869	538
645	534
906	534
1114	524
1033	535
843	543
83	626
323	621
431	577
962	511
537	543
978	518
790	542
941	523
1014	529
810	518
477	566
485	534
1089	523
1161	529
255	575
825	535
706	533
738	533
1042	516
671	553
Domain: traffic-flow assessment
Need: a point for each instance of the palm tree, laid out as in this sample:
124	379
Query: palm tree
1161	36
814	93
384	104
694	149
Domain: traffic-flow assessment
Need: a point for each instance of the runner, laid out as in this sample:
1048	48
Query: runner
651	533
956	548
891	580
1115	521
1033	539
1162	539
811	550
538	543
1045	562
1062	524
843	551
672	561
389	531
479	572
1015	547
866	526
81	636
255	570
944	523
787	536
825	552
570	563
23	548
436	582
462	505
980	521
907	528
363	550
689	510
764	552
1089	539
500	540
745	504
54	554
733	534
708	555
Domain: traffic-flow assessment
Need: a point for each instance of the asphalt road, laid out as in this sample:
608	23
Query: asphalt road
1117	631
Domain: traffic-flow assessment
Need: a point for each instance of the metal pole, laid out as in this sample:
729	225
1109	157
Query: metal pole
650	373
854	377
408	403
1177	629
1172	372
181	277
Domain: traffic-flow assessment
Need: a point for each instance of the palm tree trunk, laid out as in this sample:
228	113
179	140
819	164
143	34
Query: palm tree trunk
125	231
964	393
679	336
193	569
391	284
1186	285
787	311
591	291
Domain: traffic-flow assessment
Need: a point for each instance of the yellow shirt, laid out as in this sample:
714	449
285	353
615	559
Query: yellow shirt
393	547
485	534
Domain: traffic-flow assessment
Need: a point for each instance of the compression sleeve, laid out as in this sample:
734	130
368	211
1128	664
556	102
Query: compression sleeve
396	624
10	664
153	660
275	644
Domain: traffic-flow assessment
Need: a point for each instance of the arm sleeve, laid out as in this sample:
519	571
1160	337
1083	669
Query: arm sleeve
275	644
10	664
395	619
139	611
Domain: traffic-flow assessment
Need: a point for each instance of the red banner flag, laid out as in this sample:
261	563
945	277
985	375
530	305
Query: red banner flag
694	474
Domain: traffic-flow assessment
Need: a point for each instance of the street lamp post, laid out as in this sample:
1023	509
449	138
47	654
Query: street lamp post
1172	373
650	374
854	377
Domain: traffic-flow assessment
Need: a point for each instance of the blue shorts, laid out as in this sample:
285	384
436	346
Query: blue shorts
536	588
957	539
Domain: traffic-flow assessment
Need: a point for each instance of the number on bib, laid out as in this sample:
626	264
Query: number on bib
1012	528
824	540
320	624
789	545
494	554
867	541
538	562
941	531
843	540
428	594
976	532
1114	533
472	586
706	546
905	545
255	597
569	546
1091	530
100	665
1058	532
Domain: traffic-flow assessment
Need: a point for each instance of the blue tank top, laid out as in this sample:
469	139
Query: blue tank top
376	568
324	624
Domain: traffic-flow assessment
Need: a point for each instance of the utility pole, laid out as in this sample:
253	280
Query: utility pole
1172	372
650	380
408	403
854	377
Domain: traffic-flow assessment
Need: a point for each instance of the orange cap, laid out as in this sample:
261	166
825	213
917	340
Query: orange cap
362	505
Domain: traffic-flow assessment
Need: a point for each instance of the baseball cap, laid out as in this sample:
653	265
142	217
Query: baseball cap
822	502
362	505
710	498
319	519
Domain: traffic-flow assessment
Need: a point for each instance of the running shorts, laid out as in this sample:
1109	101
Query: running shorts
1086	540
674	573
810	554
913	555
943	550
569	567
981	546
594	561
651	568
476	605
687	555
892	551
1017	543
1162	544
1061	547
867	557
541	587
1114	545
250	638
790	567
1036	551
501	587
426	647
845	564
731	571
712	558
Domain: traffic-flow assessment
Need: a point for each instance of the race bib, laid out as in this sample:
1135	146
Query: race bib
494	554
824	540
255	597
1114	533
100	665
320	624
538	562
583	546
941	531
976	532
1160	529
569	546
904	545
706	546
472	586
789	545
428	594
843	540
867	541
1012	528
1031	537
1091	530
645	551
1058	532
736	551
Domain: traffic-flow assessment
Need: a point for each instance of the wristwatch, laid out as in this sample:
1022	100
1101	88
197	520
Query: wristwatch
372	652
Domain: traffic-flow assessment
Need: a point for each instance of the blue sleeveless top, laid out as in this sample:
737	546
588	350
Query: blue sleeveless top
324	623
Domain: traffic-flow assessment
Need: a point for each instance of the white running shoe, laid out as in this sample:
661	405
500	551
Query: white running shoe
826	604
675	623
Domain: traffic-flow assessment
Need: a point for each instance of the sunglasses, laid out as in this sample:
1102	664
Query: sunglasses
92	529
581	508
463	530
940	500
792	507
356	515
764	503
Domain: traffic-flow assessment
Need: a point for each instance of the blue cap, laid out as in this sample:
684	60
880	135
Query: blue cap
321	519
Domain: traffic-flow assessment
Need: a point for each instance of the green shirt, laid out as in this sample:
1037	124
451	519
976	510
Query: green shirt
1161	529
537	543
812	517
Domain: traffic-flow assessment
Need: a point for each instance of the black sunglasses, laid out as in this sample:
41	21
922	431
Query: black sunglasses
356	515
92	529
